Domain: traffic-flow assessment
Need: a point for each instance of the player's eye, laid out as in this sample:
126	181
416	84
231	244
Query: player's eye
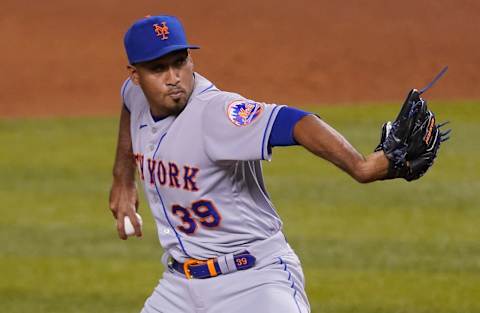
180	62
159	68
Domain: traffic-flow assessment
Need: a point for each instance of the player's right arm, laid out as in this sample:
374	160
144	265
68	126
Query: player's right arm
123	193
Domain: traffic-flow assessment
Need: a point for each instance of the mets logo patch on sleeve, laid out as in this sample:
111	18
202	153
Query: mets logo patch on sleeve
244	112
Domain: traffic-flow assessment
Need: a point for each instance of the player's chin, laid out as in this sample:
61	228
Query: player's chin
177	105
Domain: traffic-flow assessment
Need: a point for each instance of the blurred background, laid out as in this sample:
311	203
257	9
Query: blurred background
67	57
383	247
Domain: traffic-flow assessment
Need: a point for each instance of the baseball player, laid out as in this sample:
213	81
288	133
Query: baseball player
198	151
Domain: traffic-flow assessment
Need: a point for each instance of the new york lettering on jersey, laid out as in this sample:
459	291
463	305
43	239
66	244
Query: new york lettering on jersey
167	173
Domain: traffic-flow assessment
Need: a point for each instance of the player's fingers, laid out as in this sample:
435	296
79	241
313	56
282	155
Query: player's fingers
114	211
121	226
112	204
136	224
136	202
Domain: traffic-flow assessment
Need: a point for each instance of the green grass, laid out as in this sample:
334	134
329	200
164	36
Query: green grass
384	247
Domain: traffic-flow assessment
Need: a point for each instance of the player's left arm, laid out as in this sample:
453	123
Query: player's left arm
407	149
324	141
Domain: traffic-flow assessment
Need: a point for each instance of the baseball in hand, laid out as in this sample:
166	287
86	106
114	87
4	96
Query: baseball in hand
129	230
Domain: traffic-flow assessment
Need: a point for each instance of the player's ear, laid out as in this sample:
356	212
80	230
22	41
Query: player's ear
133	73
189	57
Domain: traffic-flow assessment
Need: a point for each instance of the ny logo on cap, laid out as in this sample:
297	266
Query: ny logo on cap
161	30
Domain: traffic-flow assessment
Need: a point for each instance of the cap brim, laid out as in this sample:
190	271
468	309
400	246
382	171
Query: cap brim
164	52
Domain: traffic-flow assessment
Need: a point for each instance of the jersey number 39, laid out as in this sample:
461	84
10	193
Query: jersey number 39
201	211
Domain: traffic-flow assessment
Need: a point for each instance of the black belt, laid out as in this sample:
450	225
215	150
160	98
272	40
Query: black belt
200	269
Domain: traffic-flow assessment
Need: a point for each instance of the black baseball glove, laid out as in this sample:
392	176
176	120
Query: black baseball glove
412	141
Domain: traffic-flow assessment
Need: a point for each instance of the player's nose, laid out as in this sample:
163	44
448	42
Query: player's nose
173	76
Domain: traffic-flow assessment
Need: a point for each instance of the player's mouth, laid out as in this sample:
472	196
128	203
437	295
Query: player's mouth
176	93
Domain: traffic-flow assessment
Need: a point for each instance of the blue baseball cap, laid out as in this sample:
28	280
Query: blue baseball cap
153	37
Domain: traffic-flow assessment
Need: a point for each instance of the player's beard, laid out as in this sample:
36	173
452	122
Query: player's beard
180	105
179	102
166	104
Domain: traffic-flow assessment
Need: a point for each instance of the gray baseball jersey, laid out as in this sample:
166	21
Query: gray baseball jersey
201	170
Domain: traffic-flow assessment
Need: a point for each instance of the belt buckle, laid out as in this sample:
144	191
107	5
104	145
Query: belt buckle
187	264
210	263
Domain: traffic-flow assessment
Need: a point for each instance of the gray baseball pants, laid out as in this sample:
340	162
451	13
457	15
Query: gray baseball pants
274	285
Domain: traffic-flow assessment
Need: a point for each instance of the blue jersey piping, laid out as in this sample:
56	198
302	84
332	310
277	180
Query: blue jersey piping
163	205
293	283
209	87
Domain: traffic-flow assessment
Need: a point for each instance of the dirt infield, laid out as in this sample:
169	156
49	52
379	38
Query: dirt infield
66	57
